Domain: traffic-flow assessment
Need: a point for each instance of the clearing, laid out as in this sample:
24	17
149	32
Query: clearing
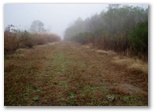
70	74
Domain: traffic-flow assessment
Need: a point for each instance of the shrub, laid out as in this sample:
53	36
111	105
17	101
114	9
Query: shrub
15	40
11	42
26	39
139	39
82	38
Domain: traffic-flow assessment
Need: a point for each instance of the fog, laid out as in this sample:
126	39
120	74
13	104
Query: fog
56	17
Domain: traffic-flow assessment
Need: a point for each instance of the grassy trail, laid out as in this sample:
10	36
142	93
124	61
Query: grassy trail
70	74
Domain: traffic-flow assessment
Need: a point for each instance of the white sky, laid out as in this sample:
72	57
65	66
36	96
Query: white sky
56	17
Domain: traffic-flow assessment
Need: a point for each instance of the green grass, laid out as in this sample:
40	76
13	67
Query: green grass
35	98
71	95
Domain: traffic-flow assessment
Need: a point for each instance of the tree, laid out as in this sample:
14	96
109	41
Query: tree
120	28
9	27
37	27
139	39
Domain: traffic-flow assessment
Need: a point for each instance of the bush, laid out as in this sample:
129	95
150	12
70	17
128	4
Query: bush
139	39
82	38
26	39
11	42
15	40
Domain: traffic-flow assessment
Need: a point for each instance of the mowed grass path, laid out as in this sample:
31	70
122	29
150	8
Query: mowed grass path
68	74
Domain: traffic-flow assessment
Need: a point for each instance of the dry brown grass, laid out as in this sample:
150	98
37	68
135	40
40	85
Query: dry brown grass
88	46
124	69
106	52
11	42
131	63
14	41
66	73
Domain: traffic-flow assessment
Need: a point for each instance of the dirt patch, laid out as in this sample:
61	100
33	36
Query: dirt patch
129	89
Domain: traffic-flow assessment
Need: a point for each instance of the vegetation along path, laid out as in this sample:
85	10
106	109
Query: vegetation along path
68	73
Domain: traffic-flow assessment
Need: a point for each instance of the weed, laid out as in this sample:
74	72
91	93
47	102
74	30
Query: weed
71	95
136	98
35	98
86	89
126	98
82	95
72	103
26	94
38	90
91	103
104	88
66	86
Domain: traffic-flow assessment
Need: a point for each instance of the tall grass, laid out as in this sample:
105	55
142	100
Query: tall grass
15	40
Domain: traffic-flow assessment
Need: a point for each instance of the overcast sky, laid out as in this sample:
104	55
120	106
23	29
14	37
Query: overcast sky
56	17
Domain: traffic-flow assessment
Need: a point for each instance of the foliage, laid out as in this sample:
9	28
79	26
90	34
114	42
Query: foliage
36	98
139	39
111	30
82	38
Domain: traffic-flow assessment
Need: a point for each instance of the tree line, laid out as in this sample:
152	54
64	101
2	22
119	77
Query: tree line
123	29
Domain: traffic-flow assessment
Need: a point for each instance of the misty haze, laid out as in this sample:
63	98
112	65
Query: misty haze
76	54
